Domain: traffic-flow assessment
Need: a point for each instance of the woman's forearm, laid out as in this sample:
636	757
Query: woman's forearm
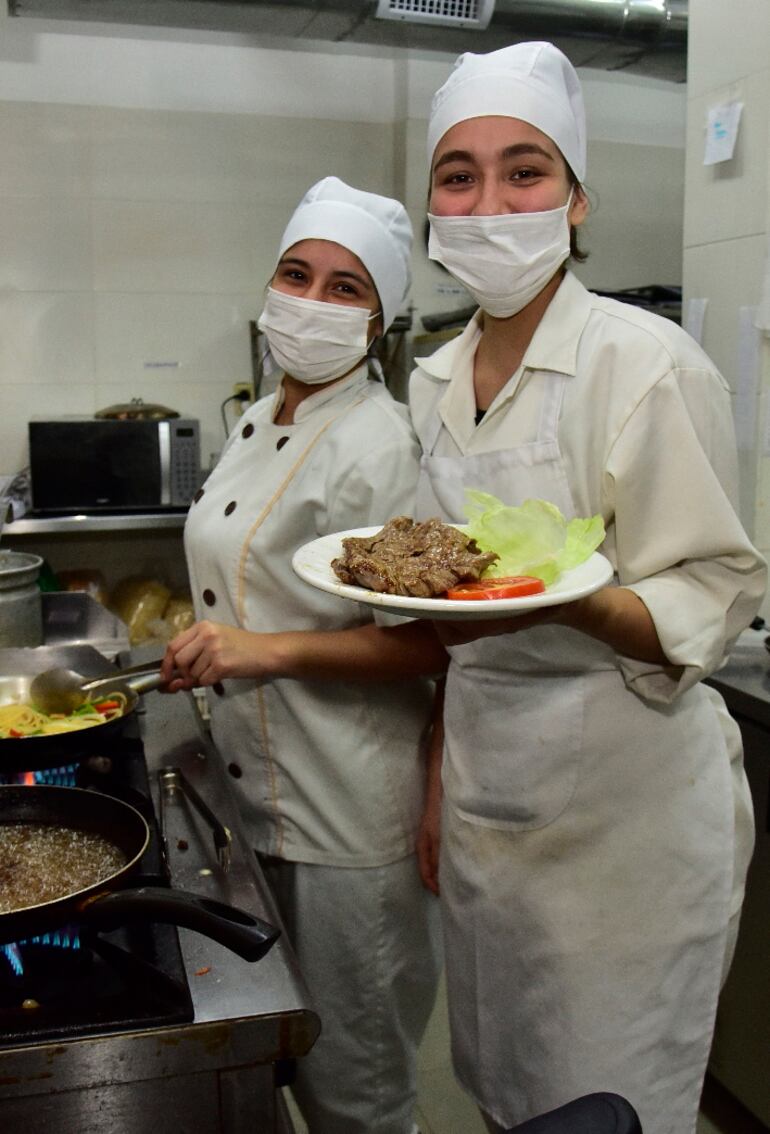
614	615
364	653
209	652
619	618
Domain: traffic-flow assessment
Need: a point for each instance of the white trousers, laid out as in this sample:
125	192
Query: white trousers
368	946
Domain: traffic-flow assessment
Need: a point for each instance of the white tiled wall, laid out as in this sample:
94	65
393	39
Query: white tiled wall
135	256
727	213
146	177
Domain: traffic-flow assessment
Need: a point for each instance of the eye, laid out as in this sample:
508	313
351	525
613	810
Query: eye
348	291
460	178
291	274
524	173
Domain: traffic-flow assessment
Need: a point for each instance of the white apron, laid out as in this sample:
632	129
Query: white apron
587	848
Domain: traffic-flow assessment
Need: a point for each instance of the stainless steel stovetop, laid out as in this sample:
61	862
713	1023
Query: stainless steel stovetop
219	1072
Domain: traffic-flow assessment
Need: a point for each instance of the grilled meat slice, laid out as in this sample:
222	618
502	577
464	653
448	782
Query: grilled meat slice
407	558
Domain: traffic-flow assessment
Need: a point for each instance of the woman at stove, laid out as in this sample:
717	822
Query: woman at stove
329	776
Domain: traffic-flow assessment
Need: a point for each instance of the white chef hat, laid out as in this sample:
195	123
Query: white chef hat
531	81
376	229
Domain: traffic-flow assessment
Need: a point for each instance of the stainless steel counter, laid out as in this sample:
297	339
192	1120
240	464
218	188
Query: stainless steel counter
271	989
744	681
216	1074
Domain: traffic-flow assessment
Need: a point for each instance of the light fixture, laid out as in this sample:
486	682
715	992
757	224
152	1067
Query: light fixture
447	13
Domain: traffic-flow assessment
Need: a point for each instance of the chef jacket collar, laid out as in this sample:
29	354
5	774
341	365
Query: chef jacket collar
360	376
554	345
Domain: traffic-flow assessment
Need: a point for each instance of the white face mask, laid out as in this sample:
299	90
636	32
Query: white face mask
314	342
503	261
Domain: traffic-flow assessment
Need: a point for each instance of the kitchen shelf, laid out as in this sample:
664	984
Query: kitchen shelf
144	521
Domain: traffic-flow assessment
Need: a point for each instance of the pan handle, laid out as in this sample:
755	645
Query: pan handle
246	935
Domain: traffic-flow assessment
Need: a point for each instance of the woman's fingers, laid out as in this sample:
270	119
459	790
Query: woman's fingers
427	860
459	633
190	657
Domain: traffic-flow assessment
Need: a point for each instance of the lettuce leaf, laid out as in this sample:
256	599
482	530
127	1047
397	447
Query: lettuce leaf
532	539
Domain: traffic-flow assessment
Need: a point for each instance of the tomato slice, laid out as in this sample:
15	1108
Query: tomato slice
512	586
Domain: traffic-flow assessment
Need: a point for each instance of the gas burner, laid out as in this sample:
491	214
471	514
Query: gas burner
66	776
75	982
121	981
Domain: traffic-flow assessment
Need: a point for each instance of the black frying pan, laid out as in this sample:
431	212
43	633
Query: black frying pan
29	753
106	904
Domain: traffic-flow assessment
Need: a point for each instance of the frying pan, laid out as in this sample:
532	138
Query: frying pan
29	753
113	902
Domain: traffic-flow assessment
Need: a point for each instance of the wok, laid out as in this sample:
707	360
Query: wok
29	753
112	902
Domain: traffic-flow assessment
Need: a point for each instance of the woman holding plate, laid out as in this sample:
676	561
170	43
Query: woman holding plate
329	778
595	844
596	823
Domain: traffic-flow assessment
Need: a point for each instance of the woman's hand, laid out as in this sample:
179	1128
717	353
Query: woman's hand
459	633
429	832
429	840
209	652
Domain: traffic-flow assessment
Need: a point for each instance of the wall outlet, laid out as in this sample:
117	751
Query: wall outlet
244	390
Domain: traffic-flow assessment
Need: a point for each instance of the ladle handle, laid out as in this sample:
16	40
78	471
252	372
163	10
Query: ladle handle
140	678
135	670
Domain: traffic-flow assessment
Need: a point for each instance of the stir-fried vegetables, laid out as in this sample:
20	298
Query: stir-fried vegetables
20	720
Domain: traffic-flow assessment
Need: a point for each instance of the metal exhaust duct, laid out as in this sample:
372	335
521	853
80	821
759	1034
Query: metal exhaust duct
646	37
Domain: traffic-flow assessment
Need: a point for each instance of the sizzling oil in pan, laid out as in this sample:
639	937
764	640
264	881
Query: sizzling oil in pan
40	863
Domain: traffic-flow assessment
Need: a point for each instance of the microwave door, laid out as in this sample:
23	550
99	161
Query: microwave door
94	465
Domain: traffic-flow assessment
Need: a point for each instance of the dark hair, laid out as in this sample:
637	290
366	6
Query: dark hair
575	251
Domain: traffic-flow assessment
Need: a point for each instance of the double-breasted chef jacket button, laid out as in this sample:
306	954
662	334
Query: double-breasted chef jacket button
197	496
281	442
209	597
230	508
235	771
247	430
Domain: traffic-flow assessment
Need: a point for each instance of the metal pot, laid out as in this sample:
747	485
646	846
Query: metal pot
137	410
21	612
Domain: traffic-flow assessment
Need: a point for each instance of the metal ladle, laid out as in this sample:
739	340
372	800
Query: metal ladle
62	690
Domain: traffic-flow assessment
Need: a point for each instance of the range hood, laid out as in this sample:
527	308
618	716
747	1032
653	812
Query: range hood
639	36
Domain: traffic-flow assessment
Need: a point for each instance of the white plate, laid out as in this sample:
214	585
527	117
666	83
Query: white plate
313	564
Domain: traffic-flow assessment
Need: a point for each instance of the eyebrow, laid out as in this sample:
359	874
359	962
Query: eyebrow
517	150
337	273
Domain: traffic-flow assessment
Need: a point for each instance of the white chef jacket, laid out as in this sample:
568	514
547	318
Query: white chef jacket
327	772
645	417
597	823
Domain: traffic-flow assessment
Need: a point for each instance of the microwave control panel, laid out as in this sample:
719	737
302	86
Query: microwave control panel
185	464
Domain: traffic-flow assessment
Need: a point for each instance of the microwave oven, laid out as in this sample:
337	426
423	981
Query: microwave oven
86	464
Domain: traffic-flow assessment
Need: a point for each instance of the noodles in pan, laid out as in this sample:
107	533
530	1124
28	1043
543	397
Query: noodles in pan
19	720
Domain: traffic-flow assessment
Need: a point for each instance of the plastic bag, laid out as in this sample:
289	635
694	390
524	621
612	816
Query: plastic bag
139	601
